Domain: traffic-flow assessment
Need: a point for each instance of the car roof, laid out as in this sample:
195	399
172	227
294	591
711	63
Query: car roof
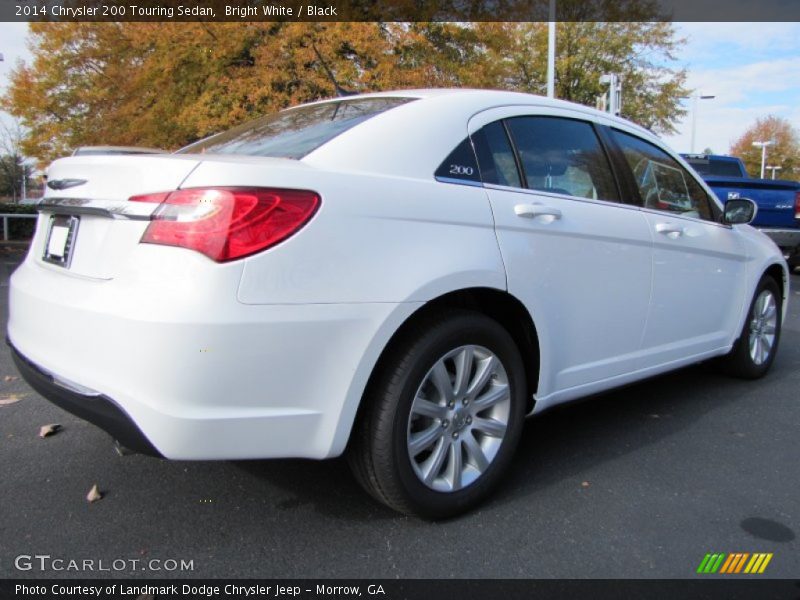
491	98
414	138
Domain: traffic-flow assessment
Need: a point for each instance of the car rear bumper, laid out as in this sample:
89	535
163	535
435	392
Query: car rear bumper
186	369
93	407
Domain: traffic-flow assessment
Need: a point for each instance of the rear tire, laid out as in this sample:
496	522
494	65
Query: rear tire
442	417
753	353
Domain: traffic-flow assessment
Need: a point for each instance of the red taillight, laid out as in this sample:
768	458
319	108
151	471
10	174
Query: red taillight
227	223
797	205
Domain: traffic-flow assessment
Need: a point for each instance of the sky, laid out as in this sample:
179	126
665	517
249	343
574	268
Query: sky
752	69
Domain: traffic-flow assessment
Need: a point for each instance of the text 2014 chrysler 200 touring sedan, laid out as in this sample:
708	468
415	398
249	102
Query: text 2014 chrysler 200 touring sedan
399	276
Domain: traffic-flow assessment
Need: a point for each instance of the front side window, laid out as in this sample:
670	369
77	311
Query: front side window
563	156
295	132
663	183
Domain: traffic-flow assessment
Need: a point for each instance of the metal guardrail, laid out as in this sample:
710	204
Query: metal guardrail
7	216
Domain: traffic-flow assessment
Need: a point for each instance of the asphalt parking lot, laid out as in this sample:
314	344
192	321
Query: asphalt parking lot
641	482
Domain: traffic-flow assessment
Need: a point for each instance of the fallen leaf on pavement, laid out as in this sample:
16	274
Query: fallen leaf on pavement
48	430
94	494
7	399
10	378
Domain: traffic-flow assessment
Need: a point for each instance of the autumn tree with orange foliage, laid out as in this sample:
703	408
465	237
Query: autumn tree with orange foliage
168	84
784	153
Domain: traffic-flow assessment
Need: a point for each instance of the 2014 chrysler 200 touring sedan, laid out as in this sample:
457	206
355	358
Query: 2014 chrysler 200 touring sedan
399	276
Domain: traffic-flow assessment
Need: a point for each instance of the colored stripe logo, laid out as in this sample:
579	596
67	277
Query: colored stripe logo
737	562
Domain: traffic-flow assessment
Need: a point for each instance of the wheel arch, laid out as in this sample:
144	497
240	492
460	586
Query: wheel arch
507	310
776	271
496	304
781	277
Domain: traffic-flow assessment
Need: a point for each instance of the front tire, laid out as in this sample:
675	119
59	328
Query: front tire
442	417
753	353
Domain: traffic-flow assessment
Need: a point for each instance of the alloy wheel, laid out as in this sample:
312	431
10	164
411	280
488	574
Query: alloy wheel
763	326
458	419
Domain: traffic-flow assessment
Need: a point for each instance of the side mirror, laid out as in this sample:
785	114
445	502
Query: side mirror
739	211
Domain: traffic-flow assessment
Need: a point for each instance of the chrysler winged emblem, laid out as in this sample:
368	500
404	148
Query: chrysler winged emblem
63	184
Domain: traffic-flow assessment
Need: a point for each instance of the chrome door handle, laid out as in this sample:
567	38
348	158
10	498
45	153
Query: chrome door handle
669	229
529	211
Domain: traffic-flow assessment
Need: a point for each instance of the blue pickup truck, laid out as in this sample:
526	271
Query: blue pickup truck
778	201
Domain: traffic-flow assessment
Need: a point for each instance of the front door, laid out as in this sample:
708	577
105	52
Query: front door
698	263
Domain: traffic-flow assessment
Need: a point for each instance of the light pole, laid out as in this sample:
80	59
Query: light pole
551	51
763	146
695	98
773	169
614	83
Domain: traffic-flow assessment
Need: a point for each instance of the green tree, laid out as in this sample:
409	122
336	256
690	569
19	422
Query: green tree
784	153
15	174
639	52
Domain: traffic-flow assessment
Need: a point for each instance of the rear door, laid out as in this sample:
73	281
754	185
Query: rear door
698	263
577	255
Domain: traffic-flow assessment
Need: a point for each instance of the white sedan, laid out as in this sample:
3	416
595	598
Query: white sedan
402	277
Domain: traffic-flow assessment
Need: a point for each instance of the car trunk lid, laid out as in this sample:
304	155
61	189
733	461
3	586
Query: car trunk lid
87	226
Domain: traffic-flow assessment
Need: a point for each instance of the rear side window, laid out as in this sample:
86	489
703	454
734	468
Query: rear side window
495	155
460	165
295	132
663	183
563	156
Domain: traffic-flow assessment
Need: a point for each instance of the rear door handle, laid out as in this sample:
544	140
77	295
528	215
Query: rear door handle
529	211
669	229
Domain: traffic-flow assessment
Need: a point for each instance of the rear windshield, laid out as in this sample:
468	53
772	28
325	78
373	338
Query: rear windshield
295	132
101	152
721	168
